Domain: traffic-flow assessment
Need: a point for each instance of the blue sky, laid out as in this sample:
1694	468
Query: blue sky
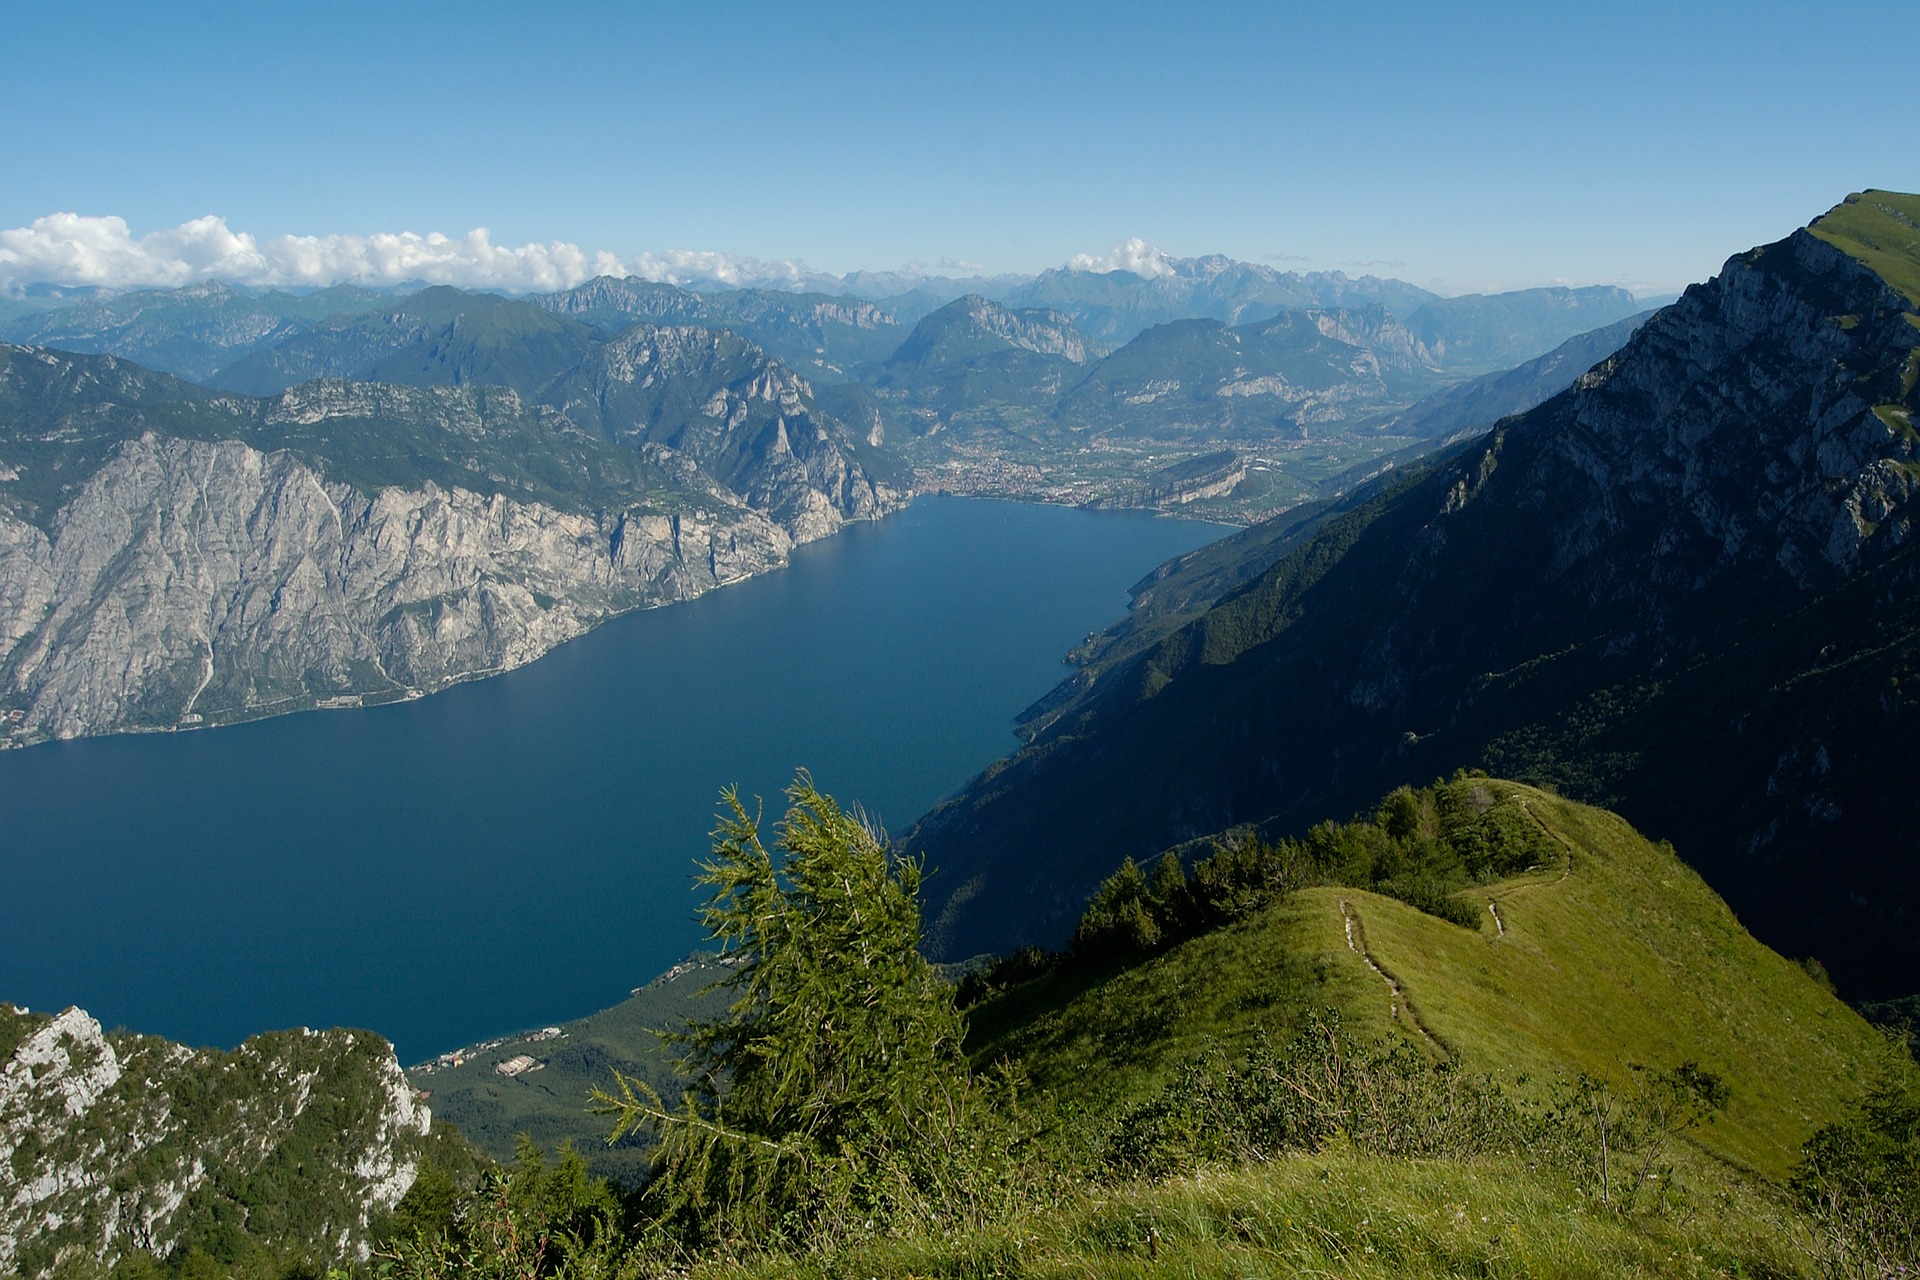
1500	147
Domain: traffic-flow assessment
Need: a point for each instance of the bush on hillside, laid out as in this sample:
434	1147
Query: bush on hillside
1386	1099
1859	1180
524	1222
1391	1100
1421	846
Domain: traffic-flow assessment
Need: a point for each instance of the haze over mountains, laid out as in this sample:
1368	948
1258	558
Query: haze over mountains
359	495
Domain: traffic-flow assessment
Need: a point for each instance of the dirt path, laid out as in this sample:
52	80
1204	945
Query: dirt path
1566	870
1397	1002
1553	835
1399	1006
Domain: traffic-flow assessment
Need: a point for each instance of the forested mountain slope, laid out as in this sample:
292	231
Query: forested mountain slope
1685	587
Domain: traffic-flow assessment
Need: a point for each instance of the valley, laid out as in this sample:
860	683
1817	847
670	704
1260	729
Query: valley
1500	818
514	851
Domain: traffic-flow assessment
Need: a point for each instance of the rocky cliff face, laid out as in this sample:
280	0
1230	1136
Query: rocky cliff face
825	334
195	582
171	559
112	1144
744	417
1687	587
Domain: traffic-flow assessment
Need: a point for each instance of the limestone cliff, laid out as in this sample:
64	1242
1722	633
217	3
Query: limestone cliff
115	1143
170	557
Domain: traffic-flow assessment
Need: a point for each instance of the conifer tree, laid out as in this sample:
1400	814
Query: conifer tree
831	1095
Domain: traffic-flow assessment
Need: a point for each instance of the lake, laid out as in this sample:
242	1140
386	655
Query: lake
519	850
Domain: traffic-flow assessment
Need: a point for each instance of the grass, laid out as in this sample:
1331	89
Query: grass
1881	229
1338	1214
1613	954
1629	959
1606	954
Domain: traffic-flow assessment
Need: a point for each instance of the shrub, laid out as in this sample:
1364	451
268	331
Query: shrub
832	1096
1859	1180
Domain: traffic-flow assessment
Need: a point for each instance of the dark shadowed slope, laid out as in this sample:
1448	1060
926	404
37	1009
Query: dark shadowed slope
1685	587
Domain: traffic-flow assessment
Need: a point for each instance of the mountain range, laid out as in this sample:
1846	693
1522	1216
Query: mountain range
1682	587
347	496
172	556
1481	1026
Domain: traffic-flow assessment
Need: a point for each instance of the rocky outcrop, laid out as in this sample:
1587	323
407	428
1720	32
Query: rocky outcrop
171	557
195	582
743	416
112	1144
971	327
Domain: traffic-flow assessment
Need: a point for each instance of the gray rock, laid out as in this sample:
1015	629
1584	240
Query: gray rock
111	1144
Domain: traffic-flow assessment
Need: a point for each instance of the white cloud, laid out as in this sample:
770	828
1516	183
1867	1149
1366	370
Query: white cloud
1134	255
686	266
75	249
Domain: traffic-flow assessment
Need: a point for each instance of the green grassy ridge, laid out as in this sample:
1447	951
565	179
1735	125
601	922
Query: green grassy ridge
1880	229
1609	956
1630	958
1620	955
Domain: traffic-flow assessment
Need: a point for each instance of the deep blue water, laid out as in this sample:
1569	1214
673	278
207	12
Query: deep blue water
519	850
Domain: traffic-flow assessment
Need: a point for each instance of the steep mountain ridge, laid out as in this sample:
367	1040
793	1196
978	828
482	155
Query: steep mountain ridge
1689	576
1485	400
298	1142
742	415
171	557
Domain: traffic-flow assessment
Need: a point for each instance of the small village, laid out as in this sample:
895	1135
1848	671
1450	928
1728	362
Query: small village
517	1065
